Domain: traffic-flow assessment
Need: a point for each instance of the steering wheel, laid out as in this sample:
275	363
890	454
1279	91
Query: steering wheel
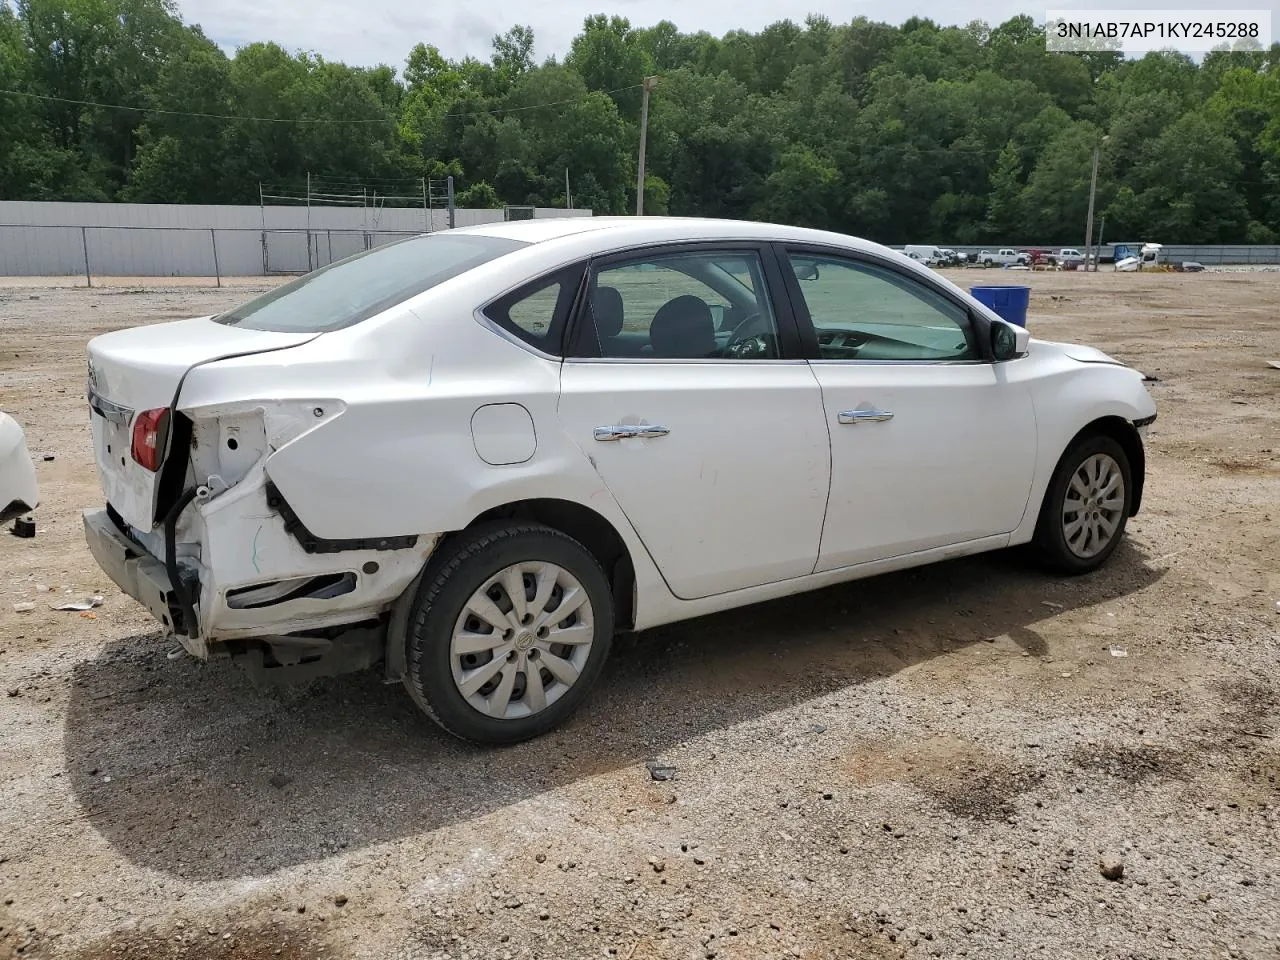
748	338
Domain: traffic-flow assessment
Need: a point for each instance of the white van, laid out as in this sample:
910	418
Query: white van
925	253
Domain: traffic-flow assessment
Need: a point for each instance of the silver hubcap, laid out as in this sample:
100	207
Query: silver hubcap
522	640
1094	506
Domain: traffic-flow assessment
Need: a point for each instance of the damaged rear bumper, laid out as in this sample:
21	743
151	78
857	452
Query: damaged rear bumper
249	572
133	570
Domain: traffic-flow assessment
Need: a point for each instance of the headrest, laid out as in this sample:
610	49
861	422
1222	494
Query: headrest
606	305
683	329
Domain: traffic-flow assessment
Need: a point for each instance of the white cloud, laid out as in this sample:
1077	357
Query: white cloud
383	31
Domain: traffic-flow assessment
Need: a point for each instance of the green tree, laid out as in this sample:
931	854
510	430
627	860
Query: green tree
899	133
513	51
1190	179
1004	203
803	189
478	196
1056	199
610	57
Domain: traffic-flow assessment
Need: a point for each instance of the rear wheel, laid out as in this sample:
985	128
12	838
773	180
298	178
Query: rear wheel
1086	506
509	632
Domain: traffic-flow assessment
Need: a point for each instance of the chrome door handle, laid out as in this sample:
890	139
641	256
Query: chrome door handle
863	416
627	431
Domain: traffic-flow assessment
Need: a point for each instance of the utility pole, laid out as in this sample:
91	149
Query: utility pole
1093	189
568	198
309	266
649	84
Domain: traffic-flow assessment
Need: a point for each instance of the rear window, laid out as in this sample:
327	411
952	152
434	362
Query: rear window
354	289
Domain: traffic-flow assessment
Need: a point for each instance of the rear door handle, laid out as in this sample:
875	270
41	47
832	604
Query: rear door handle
628	431
863	416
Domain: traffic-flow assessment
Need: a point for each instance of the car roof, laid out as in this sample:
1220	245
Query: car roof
619	232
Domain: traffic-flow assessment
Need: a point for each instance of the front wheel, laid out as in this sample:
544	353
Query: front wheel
1086	506
508	633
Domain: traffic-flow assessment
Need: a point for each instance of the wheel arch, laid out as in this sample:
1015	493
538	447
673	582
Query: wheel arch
589	528
1124	433
601	539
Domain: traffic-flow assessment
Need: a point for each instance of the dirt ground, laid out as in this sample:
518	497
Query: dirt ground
926	764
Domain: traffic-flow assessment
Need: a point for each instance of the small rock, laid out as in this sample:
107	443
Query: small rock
23	607
280	780
541	858
340	900
658	865
1112	868
14	692
302	908
818	727
660	771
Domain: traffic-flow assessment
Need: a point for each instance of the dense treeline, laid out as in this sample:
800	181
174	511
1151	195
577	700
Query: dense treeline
914	133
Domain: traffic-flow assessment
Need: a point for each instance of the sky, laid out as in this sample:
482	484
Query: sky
383	31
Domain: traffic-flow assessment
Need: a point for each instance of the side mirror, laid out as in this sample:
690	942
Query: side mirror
1008	342
717	314
806	270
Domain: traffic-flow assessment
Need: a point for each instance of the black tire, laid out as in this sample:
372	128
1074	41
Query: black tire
453	576
1050	542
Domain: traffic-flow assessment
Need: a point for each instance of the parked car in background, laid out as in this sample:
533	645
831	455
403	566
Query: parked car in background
19	493
950	258
474	455
926	253
1004	257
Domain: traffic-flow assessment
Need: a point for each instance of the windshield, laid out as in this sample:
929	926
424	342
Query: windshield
354	289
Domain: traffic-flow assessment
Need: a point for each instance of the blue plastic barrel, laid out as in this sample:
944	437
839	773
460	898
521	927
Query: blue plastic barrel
1010	303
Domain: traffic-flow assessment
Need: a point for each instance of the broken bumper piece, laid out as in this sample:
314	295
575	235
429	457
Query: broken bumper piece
137	573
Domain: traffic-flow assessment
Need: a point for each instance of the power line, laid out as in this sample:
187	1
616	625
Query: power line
329	120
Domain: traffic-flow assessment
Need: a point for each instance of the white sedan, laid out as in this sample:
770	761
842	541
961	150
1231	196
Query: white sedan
474	455
19	493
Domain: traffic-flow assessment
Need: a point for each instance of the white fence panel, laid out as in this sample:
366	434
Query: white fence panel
39	238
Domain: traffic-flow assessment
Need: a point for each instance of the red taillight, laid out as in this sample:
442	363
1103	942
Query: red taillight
149	437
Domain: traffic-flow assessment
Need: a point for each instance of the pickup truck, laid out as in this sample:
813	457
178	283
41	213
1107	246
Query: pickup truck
1005	257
